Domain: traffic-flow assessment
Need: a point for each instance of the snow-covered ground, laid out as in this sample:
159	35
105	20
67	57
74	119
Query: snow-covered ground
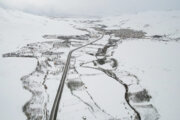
128	74
157	66
18	29
13	96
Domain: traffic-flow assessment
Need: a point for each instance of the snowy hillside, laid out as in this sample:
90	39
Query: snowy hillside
152	22
130	71
19	28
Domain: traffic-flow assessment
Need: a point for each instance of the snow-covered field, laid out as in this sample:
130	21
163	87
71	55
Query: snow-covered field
13	96
132	73
157	66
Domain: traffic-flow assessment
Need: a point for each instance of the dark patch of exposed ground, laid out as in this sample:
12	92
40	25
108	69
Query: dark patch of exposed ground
141	96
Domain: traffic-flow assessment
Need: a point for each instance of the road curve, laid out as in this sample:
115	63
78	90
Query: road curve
54	110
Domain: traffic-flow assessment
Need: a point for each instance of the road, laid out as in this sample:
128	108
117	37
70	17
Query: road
54	110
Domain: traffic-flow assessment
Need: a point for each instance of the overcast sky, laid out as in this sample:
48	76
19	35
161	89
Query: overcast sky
89	7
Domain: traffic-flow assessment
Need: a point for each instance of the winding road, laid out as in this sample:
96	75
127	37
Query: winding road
54	110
